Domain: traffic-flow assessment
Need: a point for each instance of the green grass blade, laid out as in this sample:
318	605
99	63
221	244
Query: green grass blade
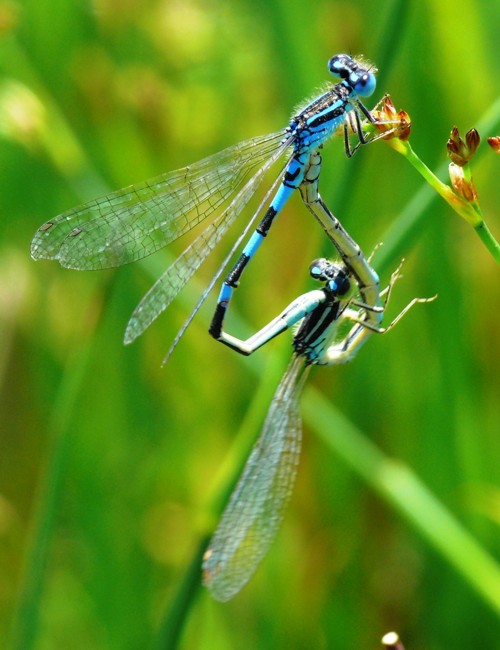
403	491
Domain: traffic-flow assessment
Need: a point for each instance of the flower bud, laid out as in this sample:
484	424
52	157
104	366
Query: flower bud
397	124
462	183
461	152
494	143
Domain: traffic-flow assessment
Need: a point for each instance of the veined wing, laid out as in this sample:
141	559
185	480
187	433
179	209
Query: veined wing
179	272
134	222
251	520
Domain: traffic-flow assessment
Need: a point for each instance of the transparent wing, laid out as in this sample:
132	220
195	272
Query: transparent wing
179	272
134	222
221	268
251	520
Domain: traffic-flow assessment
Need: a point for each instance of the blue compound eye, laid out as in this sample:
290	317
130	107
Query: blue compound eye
364	86
340	65
343	284
335	275
319	269
340	285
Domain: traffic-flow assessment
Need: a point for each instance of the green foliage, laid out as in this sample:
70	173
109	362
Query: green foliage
113	470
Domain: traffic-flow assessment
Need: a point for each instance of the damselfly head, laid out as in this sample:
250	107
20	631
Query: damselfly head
336	276
358	74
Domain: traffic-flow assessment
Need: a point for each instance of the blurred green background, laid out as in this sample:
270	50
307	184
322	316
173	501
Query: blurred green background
112	468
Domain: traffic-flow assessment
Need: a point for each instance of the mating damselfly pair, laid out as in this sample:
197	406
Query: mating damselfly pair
133	223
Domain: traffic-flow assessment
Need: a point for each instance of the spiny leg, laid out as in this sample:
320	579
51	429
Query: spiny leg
386	293
355	124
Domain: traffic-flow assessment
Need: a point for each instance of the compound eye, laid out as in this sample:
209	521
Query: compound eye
339	284
340	65
319	269
364	86
343	284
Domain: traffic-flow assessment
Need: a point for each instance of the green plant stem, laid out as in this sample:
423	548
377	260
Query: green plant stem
171	628
468	210
488	240
27	620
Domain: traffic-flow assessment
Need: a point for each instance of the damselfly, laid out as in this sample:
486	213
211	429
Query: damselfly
252	517
134	222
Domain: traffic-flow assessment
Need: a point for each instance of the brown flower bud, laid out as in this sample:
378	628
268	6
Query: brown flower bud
461	152
396	124
494	143
462	184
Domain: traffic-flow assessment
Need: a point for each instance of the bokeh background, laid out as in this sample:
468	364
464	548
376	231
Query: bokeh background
112	469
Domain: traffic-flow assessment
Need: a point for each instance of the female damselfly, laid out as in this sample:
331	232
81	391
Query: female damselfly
134	222
252	517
